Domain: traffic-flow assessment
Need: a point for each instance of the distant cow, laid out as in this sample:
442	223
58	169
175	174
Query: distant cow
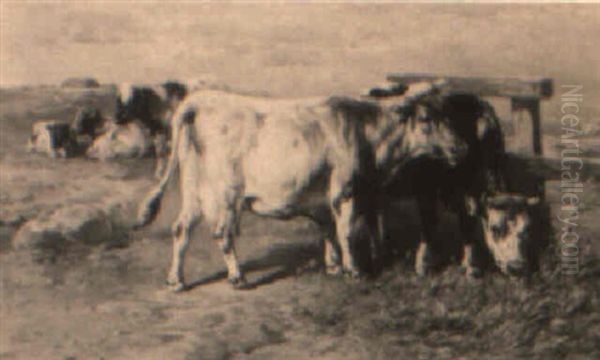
476	189
88	121
153	106
54	138
284	158
387	91
131	140
87	125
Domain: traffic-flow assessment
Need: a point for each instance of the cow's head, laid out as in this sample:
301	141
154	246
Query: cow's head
52	137
507	226
428	134
130	140
88	121
175	92
416	128
144	102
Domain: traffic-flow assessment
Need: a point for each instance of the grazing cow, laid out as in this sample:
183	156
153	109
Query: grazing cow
52	137
87	125
131	140
153	106
284	158
476	189
507	229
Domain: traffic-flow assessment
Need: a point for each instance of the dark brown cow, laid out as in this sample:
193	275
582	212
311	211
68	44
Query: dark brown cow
476	189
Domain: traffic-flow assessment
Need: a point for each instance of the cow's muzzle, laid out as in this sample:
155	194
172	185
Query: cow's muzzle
516	268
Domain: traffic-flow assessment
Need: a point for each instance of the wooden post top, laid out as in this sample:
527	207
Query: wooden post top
541	88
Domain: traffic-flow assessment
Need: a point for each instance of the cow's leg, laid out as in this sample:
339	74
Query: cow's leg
188	216
343	207
467	262
428	212
225	231
344	218
331	252
161	152
376	224
382	234
160	166
332	258
468	219
181	235
234	274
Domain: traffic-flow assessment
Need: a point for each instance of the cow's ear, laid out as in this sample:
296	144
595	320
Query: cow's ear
533	200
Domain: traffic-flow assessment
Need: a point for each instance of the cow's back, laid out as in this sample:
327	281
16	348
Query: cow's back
273	149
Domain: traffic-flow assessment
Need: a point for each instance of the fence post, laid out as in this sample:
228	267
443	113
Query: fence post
526	113
526	120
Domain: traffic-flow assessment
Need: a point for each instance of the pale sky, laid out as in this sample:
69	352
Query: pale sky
294	47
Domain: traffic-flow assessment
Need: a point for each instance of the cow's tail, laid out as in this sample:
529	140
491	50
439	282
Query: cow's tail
151	204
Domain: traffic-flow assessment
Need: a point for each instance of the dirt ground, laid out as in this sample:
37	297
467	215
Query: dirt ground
110	301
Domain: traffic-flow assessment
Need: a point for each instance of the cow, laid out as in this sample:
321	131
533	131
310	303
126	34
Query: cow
87	125
476	189
131	140
283	158
507	221
153	106
88	121
54	138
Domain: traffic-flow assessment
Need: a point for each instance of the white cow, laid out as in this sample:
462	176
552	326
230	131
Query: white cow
131	140
285	158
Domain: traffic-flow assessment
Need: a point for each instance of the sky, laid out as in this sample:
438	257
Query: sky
300	49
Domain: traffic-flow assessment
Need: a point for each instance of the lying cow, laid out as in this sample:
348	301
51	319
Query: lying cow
88	121
87	125
153	106
131	140
476	189
284	158
54	138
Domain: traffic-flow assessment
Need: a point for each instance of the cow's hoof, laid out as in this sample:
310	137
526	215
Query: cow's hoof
353	274
333	270
238	282
423	269
473	273
176	286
